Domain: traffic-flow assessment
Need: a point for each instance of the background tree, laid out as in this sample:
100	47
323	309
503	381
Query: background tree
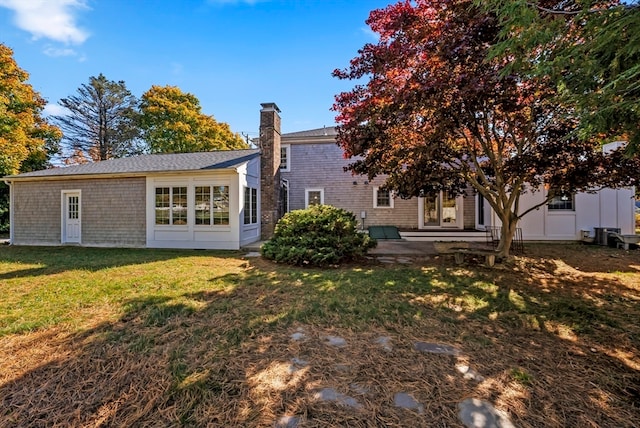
101	123
437	115
172	122
591	49
26	139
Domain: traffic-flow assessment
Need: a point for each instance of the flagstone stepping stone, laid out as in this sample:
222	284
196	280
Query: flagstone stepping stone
330	394
475	413
336	341
252	254
385	343
406	401
404	261
298	335
469	373
287	422
297	364
388	260
436	348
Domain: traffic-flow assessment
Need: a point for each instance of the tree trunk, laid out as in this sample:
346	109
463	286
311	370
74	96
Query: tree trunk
508	230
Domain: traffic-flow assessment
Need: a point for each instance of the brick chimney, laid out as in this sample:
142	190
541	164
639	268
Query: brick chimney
270	188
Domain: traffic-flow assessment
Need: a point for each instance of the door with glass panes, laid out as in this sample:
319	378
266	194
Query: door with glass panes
440	210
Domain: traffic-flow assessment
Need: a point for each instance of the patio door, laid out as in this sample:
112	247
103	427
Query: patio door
440	210
71	217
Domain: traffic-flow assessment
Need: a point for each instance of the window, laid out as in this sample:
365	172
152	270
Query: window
314	197
382	198
250	205
285	158
211	205
220	205
285	196
203	205
171	205
562	202
179	205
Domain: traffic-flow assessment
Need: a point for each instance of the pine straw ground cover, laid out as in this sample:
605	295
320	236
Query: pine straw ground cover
103	337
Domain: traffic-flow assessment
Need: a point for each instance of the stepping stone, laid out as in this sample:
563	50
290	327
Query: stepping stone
406	401
252	254
469	373
388	260
297	364
330	394
436	348
475	413
298	335
404	261
287	422
385	343
336	341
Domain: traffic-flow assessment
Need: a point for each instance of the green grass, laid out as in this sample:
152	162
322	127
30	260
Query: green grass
43	287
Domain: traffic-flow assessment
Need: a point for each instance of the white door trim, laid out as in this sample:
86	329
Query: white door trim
71	228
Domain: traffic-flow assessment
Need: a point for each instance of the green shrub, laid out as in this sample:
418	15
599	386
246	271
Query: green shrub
320	235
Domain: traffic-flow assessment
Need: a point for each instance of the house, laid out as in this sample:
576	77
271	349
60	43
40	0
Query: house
190	200
229	199
312	171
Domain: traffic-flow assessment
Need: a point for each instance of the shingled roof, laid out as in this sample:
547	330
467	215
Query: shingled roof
177	162
319	132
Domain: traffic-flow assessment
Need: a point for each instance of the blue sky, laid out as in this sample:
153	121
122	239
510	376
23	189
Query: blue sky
232	54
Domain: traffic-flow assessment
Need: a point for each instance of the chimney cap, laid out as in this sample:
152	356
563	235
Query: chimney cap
270	107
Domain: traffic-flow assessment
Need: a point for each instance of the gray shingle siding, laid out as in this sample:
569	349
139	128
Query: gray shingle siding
112	211
322	166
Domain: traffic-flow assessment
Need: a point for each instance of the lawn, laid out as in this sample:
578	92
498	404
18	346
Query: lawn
113	337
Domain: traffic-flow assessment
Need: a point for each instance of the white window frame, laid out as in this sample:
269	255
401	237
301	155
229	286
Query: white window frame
252	201
287	166
375	199
306	196
572	198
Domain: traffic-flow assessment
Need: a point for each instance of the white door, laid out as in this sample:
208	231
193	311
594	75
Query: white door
71	218
441	210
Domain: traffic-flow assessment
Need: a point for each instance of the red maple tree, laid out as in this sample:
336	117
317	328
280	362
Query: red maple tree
432	113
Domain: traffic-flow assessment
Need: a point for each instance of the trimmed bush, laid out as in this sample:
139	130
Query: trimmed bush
320	235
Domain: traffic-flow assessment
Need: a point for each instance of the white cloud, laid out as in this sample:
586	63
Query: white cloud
54	110
55	52
51	19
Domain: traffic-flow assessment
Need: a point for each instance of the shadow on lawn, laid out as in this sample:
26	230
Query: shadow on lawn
551	354
53	260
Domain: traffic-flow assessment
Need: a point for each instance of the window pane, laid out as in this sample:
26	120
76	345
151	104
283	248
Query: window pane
561	202
221	205
247	205
254	206
315	197
283	158
203	205
74	206
179	206
383	198
162	205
